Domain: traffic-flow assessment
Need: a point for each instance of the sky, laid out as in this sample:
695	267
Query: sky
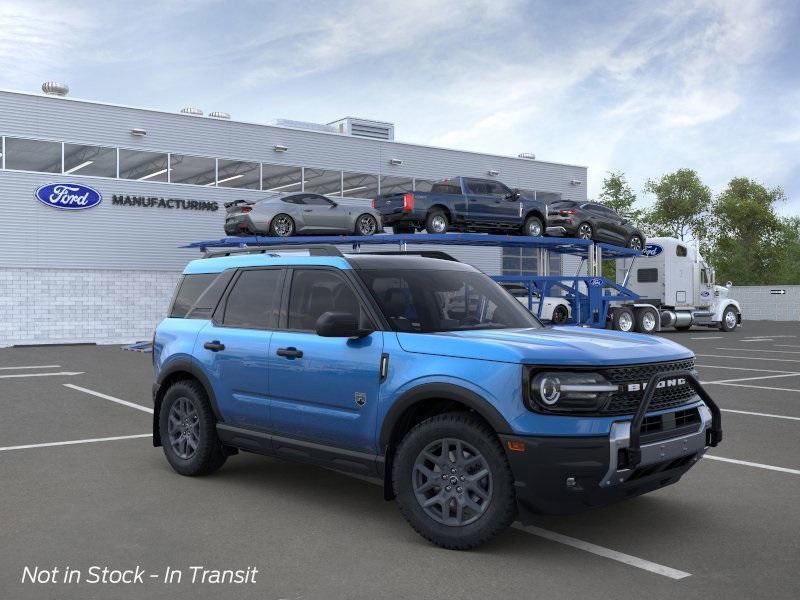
639	87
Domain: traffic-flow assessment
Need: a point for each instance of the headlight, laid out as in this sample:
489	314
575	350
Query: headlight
564	391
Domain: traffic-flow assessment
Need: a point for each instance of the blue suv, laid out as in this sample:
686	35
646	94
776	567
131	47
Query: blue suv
426	373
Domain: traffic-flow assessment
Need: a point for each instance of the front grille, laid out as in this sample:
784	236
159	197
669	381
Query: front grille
625	402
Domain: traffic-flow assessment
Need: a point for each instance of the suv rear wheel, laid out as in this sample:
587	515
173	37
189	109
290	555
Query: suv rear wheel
453	483
188	430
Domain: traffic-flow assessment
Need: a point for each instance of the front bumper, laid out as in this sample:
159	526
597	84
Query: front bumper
562	475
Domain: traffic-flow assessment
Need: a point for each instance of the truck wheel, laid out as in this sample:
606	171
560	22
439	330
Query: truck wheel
533	227
282	226
188	430
646	320
366	224
436	222
453	483
635	242
729	319
623	319
585	231
560	315
402	229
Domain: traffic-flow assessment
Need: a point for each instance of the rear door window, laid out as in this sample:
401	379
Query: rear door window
254	299
446	187
189	290
317	291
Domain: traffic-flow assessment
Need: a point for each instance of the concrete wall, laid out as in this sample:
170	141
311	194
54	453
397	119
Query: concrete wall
759	304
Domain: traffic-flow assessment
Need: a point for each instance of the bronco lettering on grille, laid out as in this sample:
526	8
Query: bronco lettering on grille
664	383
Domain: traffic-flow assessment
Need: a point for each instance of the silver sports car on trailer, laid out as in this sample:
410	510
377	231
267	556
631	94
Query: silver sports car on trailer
303	213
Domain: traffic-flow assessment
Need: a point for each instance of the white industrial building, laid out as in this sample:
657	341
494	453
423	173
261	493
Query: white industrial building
106	274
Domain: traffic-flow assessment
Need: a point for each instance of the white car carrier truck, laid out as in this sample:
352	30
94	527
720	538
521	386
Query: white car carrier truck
676	289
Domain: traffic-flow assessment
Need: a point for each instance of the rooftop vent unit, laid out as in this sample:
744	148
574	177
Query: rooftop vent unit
192	110
493	172
219	115
527	155
53	88
303	125
375	130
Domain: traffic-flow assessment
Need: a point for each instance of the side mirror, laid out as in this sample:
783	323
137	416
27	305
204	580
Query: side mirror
339	324
514	195
729	284
334	204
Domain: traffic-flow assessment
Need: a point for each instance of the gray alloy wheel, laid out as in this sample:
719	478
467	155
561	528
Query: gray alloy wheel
533	227
585	231
282	226
183	427
635	243
366	225
452	482
437	223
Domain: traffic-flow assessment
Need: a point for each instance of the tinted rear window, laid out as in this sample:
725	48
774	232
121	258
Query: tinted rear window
253	301
446	187
189	290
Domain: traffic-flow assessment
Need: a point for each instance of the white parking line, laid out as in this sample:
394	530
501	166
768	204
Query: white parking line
759	350
787	346
73	442
707	337
758	414
757	387
749	358
743	369
30	367
17	375
111	398
633	561
757	340
752	464
751	378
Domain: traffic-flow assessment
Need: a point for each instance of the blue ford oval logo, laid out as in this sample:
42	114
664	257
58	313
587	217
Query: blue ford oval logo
595	282
68	196
652	250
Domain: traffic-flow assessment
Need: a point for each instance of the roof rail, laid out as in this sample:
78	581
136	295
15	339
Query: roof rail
424	253
312	249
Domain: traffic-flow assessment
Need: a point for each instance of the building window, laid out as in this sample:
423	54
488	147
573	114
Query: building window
33	155
97	161
238	174
196	170
279	178
396	185
525	261
359	185
321	181
143	166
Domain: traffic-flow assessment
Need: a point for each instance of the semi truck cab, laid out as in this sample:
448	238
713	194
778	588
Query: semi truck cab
673	277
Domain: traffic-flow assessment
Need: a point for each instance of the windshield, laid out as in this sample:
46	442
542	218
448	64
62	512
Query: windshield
428	301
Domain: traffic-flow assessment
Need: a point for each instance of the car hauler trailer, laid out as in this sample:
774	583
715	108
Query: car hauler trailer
672	286
675	280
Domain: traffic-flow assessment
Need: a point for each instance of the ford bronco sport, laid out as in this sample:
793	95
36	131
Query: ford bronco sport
426	373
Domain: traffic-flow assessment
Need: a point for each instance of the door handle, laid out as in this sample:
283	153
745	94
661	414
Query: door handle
214	346
290	352
307	210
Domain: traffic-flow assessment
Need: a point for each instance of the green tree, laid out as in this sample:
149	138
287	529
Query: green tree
681	206
618	195
751	244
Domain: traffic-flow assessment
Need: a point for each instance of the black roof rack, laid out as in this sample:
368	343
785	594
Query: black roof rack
424	253
312	249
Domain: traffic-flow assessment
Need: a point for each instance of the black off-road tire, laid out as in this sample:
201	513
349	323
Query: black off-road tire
500	511
209	454
432	219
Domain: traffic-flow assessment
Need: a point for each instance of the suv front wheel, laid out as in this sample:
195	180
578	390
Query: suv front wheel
188	430
453	482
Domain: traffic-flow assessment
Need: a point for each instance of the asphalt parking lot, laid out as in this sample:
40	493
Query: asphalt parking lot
729	529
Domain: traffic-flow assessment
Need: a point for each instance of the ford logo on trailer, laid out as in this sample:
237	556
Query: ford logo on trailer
68	196
652	250
596	282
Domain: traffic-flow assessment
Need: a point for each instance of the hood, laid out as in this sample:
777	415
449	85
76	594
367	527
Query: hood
548	346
